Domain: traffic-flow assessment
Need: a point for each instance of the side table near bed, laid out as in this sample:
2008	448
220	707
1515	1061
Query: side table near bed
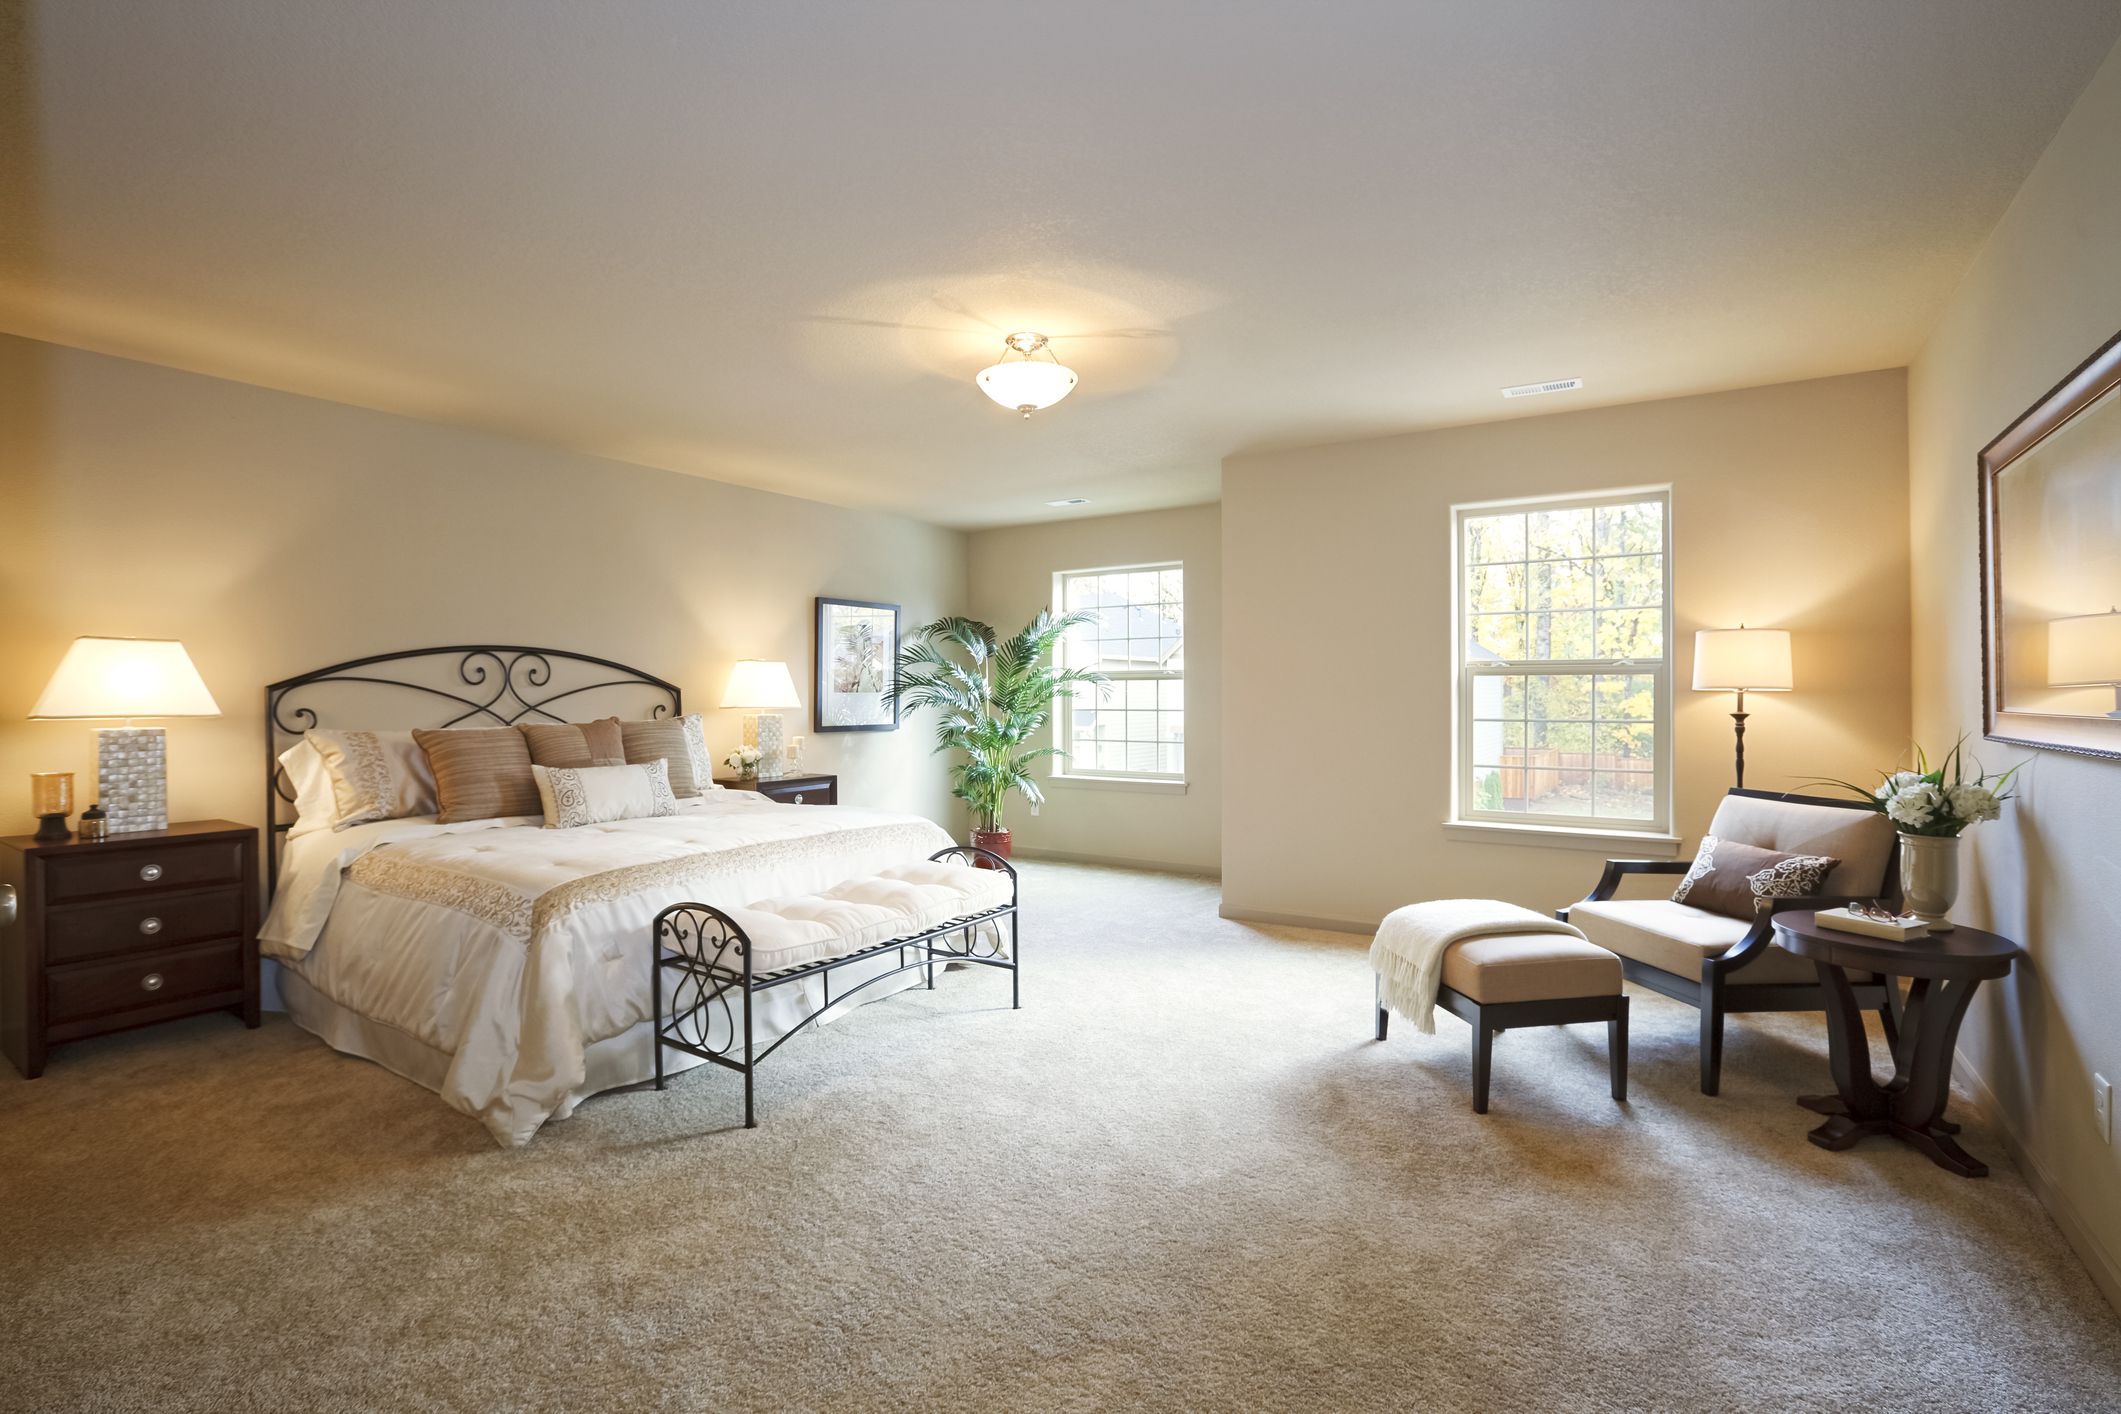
1944	969
804	788
135	929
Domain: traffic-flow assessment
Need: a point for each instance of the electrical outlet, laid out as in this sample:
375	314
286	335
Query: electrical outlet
2103	1107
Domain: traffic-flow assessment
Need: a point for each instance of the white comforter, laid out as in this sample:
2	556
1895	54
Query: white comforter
506	952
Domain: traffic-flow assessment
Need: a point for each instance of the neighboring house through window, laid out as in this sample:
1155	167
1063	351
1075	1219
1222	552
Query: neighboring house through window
1136	728
1564	648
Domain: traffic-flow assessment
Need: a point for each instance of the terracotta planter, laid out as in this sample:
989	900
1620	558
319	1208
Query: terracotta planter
995	840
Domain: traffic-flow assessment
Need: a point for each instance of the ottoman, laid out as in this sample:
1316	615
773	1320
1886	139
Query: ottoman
1543	979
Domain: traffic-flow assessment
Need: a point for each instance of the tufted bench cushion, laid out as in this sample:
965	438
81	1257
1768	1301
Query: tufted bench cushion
1533	967
904	899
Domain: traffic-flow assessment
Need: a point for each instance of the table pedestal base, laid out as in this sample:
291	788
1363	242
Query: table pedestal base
1910	1107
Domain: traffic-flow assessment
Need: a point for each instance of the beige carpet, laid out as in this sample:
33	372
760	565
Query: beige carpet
1182	1177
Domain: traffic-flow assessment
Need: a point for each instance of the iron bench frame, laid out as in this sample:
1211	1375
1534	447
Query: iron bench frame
703	983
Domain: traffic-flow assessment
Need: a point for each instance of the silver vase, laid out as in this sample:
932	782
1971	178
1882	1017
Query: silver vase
1929	877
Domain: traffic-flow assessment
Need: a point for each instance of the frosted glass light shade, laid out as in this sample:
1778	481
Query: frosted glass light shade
125	678
1742	659
2084	650
756	685
1026	385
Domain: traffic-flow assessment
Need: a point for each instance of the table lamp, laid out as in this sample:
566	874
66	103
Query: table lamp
2084	650
1741	660
127	678
762	691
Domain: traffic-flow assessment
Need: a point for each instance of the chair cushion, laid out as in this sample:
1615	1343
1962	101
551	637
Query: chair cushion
1675	938
1861	839
1529	967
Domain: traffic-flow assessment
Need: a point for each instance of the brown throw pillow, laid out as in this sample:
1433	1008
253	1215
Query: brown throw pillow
1737	880
481	774
662	741
577	744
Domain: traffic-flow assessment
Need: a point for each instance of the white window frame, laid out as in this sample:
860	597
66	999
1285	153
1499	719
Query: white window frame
1065	769
1468	673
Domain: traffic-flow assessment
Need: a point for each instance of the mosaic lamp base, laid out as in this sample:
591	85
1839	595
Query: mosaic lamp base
132	778
768	732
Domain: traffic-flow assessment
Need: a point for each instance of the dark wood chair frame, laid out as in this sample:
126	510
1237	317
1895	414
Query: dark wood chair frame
1491	1019
1721	990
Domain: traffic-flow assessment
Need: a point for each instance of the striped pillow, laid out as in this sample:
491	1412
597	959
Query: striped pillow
576	745
480	775
663	741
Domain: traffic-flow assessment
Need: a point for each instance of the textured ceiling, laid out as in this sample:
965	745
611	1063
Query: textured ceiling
771	243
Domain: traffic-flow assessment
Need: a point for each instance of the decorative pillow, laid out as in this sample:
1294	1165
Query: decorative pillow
1737	880
592	795
662	741
480	775
374	776
315	806
696	744
580	744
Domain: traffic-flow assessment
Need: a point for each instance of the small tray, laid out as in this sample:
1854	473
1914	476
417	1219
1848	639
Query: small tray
1843	921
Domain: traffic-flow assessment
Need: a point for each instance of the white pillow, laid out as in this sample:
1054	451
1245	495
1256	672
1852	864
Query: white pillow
315	808
593	795
696	747
375	776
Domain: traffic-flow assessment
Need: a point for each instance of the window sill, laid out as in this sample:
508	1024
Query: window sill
1120	783
1636	844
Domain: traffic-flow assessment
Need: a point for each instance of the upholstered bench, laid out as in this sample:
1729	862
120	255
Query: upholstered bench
1508	980
715	962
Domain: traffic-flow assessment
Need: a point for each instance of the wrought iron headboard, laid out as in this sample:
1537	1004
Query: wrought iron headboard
488	684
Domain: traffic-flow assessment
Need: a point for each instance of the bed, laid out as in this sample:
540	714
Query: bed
501	964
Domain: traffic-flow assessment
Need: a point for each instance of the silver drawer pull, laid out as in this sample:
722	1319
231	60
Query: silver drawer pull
798	798
8	906
150	872
150	925
152	982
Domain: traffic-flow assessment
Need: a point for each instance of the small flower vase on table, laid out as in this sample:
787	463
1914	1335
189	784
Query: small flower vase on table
1930	809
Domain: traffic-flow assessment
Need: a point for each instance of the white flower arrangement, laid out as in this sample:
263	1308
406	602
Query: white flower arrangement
744	761
1940	802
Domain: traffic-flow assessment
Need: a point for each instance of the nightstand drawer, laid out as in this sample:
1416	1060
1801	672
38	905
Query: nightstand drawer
96	989
174	866
152	921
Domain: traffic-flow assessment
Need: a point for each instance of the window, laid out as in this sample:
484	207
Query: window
1565	679
1137	726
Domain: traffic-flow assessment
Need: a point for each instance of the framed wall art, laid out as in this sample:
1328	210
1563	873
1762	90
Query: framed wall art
857	660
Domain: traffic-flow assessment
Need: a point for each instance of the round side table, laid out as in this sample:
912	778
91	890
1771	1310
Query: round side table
1943	971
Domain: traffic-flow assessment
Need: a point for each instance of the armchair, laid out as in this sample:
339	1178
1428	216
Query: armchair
1722	965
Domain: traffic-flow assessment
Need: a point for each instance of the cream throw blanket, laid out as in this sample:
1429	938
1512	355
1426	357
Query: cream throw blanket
1410	944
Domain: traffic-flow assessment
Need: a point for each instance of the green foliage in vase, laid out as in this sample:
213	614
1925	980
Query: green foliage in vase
1938	802
994	695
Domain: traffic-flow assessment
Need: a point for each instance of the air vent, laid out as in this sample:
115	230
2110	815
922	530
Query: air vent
1533	390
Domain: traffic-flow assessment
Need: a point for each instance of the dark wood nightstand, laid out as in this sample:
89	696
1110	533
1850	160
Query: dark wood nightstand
806	788
128	931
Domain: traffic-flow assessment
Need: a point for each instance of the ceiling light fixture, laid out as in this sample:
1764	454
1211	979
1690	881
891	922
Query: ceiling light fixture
1026	383
1070	501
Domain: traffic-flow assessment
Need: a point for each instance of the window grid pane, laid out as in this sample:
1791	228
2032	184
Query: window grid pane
1575	585
1135	726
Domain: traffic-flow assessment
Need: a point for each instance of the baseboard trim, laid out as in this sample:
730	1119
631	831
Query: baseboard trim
2105	1271
1114	861
1296	920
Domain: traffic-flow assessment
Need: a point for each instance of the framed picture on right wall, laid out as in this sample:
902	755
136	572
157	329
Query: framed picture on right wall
2050	489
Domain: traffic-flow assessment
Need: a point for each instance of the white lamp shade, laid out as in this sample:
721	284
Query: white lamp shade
1742	659
125	678
1026	385
2084	650
756	685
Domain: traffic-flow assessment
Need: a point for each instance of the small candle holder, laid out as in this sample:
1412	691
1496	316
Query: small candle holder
51	800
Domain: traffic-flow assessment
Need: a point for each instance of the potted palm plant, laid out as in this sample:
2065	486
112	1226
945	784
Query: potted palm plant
994	695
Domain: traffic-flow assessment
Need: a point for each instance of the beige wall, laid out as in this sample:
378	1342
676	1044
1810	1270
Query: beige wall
1012	579
1787	507
275	533
2045	292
